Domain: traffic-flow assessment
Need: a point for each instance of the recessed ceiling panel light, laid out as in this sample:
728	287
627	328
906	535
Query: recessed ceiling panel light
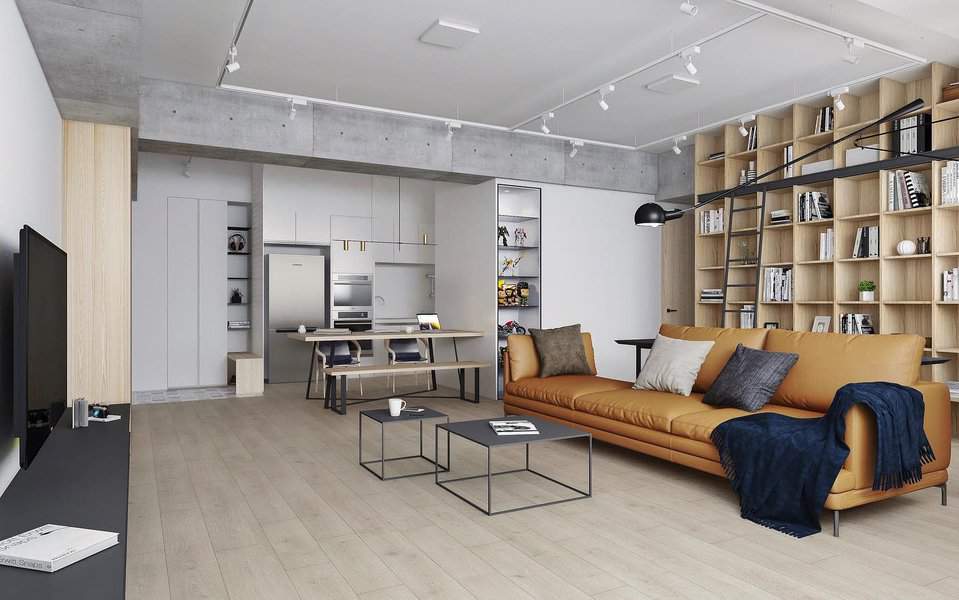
448	34
672	84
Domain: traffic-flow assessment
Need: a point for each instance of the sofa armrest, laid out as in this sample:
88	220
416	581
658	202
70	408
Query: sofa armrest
861	434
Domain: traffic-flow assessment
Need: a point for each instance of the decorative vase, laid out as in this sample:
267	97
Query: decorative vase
236	297
906	248
867	296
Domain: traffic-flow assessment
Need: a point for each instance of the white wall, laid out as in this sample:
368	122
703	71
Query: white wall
160	176
31	158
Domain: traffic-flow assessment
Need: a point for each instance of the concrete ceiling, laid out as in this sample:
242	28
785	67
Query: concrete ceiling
531	55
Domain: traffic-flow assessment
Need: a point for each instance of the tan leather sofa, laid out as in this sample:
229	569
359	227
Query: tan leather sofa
677	428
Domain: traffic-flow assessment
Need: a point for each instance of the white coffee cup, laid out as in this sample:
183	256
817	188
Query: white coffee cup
396	406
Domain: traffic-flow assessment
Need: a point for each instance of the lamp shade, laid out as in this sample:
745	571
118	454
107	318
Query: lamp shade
650	215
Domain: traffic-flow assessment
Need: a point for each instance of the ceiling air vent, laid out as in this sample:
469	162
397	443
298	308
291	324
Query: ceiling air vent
448	34
672	84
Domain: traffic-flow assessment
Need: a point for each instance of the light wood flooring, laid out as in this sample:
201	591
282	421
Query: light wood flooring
263	498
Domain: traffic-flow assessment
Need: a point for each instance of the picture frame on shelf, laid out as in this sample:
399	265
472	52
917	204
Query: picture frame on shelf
820	324
771	325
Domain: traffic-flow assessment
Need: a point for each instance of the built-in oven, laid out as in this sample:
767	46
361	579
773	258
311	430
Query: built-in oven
353	292
356	320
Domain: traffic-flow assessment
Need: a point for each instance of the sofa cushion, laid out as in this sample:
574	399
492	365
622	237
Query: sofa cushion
562	390
726	340
750	378
524	362
653	410
699	426
828	361
560	351
672	365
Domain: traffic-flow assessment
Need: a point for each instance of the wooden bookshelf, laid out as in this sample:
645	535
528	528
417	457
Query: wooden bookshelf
909	294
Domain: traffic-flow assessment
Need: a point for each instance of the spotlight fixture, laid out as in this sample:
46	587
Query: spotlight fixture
851	45
186	166
742	125
292	109
294	102
232	66
687	56
575	145
452	126
676	149
544	127
837	97
688	8
609	89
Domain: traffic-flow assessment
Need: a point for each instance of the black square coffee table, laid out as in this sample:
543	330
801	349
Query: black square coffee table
382	416
479	432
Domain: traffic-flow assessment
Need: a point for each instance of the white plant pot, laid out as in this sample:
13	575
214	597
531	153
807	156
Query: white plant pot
867	296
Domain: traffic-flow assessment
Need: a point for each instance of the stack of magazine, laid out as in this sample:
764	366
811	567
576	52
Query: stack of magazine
517	427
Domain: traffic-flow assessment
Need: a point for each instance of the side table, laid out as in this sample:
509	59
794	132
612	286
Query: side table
382	416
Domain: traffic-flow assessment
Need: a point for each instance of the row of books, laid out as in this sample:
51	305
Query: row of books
950	285
856	323
238	324
827	242
711	220
814	206
788	156
780	216
824	120
866	243
779	284
906	189
950	182
912	134
714	295
751	139
747	316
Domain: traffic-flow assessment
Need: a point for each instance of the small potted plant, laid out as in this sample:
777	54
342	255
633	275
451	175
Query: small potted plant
867	291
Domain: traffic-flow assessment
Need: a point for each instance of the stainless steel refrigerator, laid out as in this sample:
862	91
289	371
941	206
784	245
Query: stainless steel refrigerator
295	295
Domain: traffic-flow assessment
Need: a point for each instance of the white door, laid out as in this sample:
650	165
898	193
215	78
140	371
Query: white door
182	291
212	293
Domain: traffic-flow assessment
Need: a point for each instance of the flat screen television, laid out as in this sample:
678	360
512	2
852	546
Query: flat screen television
39	341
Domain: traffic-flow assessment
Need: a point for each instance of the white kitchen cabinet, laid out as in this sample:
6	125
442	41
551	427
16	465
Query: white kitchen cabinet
279	218
415	217
353	259
385	206
312	221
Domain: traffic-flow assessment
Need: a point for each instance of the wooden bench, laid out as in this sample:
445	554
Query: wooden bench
342	371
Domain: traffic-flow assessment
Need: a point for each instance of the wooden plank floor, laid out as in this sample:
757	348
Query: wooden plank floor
263	498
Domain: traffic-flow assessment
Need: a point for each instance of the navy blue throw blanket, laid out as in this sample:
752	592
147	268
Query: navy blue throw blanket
783	467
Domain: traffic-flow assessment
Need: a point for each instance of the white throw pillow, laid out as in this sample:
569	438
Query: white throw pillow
673	365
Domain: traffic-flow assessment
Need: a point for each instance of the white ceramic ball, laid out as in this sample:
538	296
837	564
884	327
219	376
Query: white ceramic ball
906	247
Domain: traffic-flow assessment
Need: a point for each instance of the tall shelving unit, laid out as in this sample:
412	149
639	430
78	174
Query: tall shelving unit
518	207
238	276
909	294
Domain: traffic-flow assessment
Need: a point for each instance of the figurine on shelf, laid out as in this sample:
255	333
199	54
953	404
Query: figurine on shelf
503	234
519	236
510	328
522	288
236	297
509	265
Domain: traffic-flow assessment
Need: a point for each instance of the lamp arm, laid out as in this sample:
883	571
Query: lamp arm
907	108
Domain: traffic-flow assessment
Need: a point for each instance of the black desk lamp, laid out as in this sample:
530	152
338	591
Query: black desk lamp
653	215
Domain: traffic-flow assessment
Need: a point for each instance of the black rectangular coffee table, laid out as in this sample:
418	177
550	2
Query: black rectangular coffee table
382	416
479	432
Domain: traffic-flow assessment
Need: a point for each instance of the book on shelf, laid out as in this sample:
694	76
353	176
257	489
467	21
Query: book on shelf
950	92
814	206
517	427
866	242
824	117
711	220
51	547
860	323
950	285
780	216
826	244
949	182
788	156
747	316
715	155
912	134
711	295
907	189
778	284
751	138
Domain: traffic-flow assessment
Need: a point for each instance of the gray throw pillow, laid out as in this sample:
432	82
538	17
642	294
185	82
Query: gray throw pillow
560	351
673	365
750	378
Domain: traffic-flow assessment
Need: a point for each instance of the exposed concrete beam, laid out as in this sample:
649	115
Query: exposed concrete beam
676	176
217	123
90	53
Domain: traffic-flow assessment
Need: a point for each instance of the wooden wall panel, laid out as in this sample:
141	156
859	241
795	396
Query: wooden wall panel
96	237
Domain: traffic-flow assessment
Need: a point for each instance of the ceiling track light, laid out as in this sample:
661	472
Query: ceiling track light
837	97
452	126
186	166
609	89
742	125
232	66
544	127
294	102
575	145
851	45
292	109
688	9
687	56
676	149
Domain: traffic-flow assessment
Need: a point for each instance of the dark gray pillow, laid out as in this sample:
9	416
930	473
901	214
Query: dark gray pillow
560	351
750	378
